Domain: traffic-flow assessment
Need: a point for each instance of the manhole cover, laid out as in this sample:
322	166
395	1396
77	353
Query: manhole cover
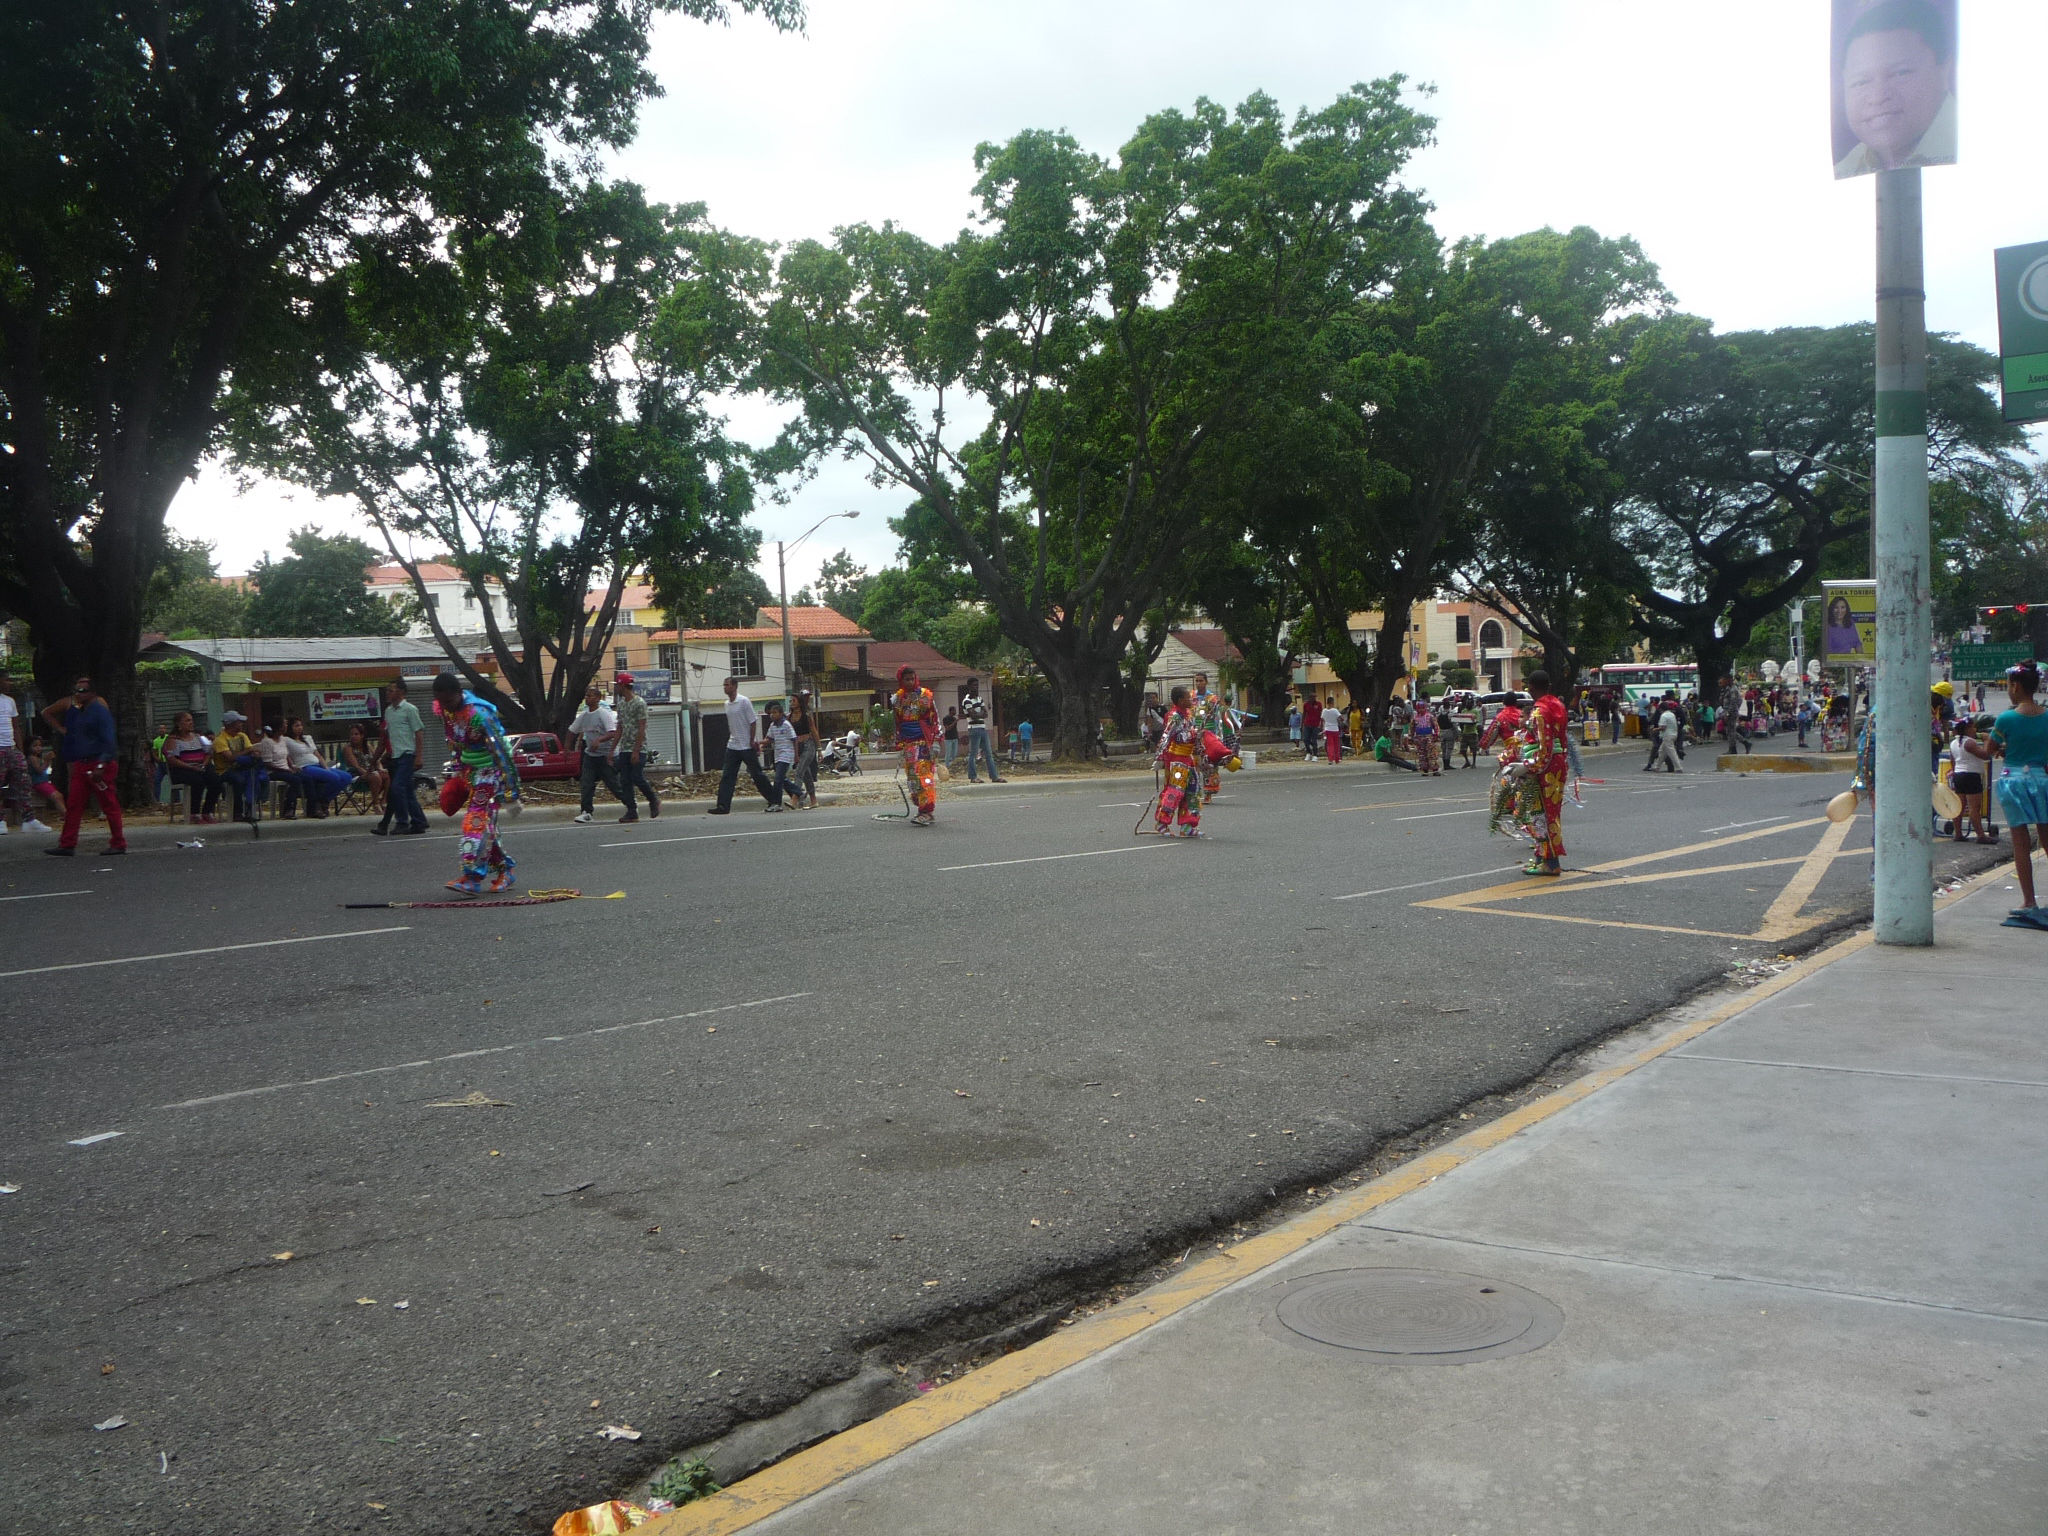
1412	1316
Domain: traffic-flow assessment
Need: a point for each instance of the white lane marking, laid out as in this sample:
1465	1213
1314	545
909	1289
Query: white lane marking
1737	826
720	837
1124	805
45	895
1047	858
217	949
489	1050
87	1141
1476	810
1388	890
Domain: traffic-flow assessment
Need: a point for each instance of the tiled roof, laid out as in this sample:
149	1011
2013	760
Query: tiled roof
885	656
1209	644
394	575
692	635
814	623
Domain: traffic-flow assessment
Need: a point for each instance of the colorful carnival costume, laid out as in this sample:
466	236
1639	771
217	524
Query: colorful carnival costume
1211	714
1549	761
1428	741
1515	800
1180	755
478	739
917	729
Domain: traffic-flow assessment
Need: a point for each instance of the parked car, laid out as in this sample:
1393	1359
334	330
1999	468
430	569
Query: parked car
541	755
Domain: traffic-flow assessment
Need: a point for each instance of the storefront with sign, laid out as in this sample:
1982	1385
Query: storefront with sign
330	682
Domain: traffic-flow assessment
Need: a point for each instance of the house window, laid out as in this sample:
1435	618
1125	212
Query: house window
744	656
1490	637
1464	629
810	659
619	656
670	657
434	601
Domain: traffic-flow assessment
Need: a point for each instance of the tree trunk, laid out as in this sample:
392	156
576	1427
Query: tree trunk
1074	701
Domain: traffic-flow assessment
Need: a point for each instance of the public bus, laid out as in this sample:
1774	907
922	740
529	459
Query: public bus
1649	680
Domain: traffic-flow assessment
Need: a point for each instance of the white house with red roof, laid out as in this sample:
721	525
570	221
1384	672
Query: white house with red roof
448	594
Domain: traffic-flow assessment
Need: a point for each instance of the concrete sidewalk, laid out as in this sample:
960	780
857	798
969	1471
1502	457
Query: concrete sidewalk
1782	1269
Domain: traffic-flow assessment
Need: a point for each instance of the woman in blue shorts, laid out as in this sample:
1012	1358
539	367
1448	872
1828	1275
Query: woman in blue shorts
2020	736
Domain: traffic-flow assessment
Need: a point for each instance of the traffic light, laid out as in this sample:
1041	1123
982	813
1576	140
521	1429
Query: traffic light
2020	609
1990	613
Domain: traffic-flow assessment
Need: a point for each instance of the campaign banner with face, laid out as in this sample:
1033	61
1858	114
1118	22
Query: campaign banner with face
1848	628
1894	64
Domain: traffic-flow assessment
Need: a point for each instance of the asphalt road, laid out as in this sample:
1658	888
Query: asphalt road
812	1084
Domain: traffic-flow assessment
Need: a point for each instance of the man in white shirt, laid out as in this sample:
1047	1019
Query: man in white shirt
596	730
742	748
781	738
1897	88
1667	741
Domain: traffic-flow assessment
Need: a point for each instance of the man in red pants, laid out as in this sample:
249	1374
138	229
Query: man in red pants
85	729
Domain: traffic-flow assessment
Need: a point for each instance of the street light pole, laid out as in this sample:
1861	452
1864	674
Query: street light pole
782	585
1903	808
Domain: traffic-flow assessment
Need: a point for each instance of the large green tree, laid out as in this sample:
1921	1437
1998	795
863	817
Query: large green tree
1399	416
182	181
318	589
1060	386
1747	459
536	405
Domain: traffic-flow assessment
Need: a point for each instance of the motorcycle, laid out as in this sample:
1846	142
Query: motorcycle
841	757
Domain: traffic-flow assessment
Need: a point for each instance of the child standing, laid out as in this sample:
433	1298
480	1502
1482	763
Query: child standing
782	741
1966	778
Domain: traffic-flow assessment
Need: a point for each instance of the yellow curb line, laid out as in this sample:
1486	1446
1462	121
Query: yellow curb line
777	1488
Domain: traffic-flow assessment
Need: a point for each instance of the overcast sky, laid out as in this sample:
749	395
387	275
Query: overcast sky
1702	130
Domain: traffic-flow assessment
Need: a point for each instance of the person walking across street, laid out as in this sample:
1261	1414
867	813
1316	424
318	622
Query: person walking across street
742	750
805	776
780	736
629	753
486	759
975	713
917	727
85	728
1728	713
1664	740
596	732
402	730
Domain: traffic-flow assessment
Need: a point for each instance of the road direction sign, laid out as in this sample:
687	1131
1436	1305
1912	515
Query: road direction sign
1987	663
2023	329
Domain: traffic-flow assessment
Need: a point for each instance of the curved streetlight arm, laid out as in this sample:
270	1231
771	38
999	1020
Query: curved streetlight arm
782	581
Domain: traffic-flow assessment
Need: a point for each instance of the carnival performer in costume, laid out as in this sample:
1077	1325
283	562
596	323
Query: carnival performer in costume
917	730
478	739
1211	714
1180	755
1548	757
1428	739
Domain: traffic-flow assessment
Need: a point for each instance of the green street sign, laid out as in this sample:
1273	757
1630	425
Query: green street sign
1987	663
2022	272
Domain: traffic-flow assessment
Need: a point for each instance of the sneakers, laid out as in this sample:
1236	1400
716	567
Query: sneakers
629	816
921	819
653	808
583	818
773	806
30	824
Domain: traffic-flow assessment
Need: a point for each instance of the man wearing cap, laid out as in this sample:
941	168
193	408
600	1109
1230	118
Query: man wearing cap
402	728
86	728
235	759
629	755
